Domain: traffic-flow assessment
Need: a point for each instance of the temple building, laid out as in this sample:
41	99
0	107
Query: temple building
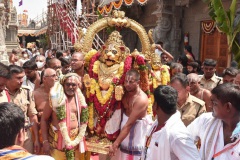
8	29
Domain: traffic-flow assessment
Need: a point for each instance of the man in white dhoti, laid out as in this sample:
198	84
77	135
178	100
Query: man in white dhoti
168	138
135	121
219	131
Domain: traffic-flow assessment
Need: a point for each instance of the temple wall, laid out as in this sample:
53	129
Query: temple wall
179	19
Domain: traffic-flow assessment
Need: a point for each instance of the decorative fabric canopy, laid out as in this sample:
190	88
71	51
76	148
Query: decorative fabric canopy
32	33
208	26
117	4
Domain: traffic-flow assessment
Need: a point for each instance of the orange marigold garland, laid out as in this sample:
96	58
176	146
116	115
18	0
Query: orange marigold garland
142	2
117	5
129	2
108	8
101	9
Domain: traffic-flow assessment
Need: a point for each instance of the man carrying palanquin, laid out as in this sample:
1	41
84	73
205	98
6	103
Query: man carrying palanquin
135	121
68	115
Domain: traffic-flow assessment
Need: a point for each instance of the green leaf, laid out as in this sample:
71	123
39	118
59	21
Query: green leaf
224	27
220	15
100	16
217	4
212	13
232	11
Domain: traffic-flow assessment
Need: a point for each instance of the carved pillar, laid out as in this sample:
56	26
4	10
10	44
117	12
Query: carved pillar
168	26
3	50
23	41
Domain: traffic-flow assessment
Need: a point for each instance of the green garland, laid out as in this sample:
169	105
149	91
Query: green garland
69	154
84	115
61	113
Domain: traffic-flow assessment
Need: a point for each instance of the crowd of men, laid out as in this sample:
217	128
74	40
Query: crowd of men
196	116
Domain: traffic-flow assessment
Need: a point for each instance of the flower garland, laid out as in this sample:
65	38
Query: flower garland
96	102
143	70
91	117
106	97
61	115
89	55
96	86
165	75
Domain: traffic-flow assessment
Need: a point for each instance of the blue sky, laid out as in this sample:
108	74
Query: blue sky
34	7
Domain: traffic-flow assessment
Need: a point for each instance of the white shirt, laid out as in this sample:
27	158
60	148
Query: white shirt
172	142
212	126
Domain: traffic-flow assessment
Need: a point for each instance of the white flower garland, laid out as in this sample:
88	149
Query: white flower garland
58	100
82	129
68	142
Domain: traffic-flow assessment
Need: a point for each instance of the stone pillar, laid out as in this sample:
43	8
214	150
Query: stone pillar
3	50
168	26
23	41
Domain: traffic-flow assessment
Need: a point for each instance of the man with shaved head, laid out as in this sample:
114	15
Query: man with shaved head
41	95
197	91
77	63
54	63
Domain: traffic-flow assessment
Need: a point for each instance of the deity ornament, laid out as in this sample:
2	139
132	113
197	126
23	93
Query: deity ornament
159	74
119	93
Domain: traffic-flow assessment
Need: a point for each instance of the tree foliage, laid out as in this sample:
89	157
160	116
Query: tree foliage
228	21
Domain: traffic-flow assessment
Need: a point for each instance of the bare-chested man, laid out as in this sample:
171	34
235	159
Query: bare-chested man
135	121
197	91
41	95
73	103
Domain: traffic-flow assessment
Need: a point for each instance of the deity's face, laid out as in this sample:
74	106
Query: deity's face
156	64
112	54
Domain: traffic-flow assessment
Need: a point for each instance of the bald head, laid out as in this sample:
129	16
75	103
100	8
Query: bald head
48	77
193	77
54	63
77	61
79	55
49	72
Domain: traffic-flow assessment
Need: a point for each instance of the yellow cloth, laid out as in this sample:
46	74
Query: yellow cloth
60	155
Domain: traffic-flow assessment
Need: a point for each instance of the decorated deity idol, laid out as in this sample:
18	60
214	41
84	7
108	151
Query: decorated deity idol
106	74
104	83
107	69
